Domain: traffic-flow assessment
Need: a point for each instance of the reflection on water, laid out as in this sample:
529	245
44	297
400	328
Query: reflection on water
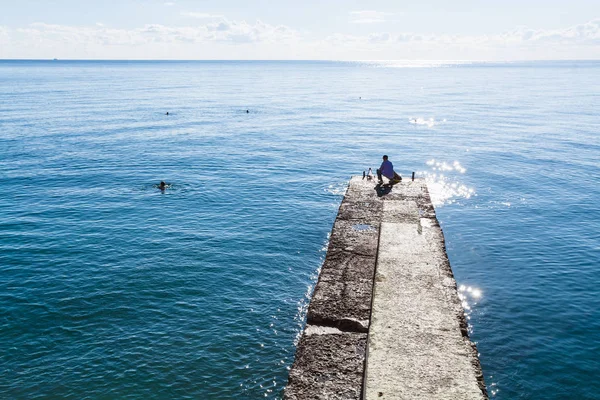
444	166
469	296
413	63
446	188
217	265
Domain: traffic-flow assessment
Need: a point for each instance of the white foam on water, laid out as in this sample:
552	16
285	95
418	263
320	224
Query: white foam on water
337	189
430	123
302	305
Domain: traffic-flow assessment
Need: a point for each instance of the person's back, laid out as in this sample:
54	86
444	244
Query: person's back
387	169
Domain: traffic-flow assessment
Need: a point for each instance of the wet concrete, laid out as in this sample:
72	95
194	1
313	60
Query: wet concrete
385	320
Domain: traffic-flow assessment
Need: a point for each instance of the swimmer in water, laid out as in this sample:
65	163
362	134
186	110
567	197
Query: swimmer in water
162	185
167	113
247	111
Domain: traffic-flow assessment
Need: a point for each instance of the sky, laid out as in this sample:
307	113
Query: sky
506	30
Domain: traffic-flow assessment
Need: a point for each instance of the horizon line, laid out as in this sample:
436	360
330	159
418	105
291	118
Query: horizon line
308	60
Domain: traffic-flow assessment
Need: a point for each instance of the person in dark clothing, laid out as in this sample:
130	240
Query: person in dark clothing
387	169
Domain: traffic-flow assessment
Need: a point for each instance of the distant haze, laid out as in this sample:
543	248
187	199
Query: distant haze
344	30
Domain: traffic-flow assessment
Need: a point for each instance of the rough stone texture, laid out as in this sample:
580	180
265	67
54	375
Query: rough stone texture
417	343
330	357
345	288
417	347
327	366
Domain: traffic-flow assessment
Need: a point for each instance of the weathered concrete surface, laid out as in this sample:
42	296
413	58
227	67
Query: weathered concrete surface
330	357
417	325
345	287
328	365
417	347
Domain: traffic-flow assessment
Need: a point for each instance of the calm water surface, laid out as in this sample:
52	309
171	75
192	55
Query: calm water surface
111	289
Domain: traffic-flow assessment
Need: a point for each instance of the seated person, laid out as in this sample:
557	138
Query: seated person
387	169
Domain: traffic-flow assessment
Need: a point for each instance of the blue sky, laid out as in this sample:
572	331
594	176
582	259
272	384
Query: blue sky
353	30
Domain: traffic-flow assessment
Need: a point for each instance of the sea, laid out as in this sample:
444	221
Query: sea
113	289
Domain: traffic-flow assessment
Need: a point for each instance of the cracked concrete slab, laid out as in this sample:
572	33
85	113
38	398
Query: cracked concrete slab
386	273
417	347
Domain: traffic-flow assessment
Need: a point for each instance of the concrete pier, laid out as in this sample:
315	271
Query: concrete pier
385	320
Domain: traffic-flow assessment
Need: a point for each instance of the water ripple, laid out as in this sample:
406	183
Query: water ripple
111	288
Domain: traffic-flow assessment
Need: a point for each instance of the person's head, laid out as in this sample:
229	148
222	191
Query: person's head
385	158
162	184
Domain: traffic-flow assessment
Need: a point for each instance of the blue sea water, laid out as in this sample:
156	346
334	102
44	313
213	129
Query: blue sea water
110	288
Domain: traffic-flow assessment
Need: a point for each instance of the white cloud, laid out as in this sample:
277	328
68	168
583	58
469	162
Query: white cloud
4	34
169	4
229	39
587	34
380	37
224	31
200	15
368	17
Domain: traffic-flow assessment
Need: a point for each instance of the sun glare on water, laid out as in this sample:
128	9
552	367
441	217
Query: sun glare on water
443	182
